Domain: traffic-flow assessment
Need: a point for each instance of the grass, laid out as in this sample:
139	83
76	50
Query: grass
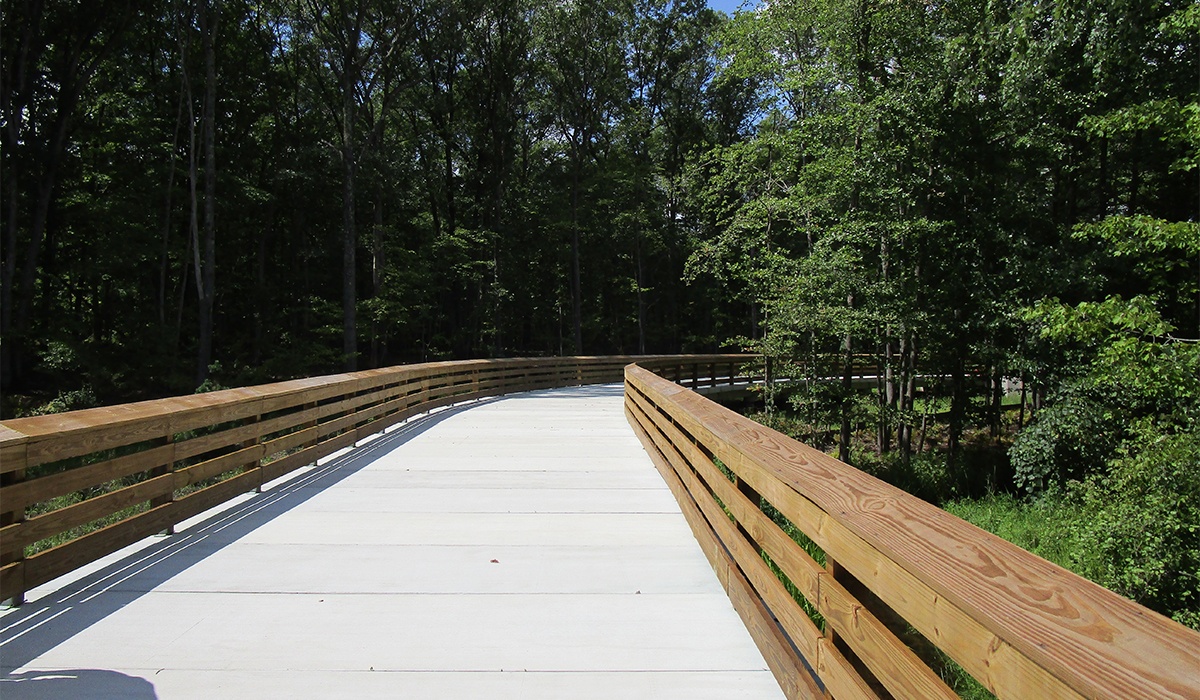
1040	526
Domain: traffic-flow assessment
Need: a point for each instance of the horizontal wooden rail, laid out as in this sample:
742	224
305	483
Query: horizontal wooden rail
899	577
77	486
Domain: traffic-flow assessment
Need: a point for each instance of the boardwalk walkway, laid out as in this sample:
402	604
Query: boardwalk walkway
520	547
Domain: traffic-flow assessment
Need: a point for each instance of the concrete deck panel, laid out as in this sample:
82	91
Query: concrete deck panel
521	547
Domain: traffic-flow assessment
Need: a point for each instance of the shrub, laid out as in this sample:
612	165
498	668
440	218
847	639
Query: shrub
1138	530
1069	439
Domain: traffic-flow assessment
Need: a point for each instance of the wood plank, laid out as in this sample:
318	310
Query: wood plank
108	427
233	436
76	433
12	580
11	548
13	450
951	629
107	433
248	456
290	441
353	403
1105	645
789	670
901	671
838	675
196	503
52	563
84	512
26	493
286	465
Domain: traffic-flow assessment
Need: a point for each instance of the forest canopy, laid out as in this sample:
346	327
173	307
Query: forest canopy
260	190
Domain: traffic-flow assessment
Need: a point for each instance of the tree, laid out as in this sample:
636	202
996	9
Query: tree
586	83
48	64
352	54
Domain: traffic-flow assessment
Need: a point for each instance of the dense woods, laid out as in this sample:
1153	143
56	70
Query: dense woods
252	190
974	197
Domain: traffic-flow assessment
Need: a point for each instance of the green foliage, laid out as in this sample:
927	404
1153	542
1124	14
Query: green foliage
1070	439
74	400
1132	378
1138	531
1133	527
211	383
1040	525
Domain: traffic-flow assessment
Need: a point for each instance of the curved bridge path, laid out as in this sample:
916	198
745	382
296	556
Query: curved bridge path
519	547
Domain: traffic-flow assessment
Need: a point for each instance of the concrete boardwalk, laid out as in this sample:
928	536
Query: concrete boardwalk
521	547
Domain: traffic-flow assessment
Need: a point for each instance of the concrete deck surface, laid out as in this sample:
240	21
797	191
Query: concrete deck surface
521	547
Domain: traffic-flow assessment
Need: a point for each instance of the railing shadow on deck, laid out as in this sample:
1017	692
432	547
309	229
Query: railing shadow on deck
77	486
40	625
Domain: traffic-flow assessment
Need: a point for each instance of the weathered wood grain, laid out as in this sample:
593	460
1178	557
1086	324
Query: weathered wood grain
899	669
839	677
13	450
52	563
182	478
1043	626
12	580
196	503
84	512
319	414
789	670
26	493
959	635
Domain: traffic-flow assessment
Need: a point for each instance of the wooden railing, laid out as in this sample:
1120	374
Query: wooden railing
77	486
901	579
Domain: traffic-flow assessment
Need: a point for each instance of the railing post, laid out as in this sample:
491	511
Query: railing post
753	496
166	468
882	612
12	517
256	464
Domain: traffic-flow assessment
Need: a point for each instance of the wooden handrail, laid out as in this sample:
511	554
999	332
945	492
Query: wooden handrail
139	469
1023	627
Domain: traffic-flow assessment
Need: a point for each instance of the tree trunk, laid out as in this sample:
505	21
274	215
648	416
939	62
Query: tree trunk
260	286
641	296
377	281
16	98
847	390
958	405
349	239
1021	414
908	383
576	289
997	401
209	21
168	206
349	235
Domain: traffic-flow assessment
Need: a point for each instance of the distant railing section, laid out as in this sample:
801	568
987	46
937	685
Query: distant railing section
77	486
900	579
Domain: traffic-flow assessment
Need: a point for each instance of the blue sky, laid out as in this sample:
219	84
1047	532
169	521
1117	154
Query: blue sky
728	6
